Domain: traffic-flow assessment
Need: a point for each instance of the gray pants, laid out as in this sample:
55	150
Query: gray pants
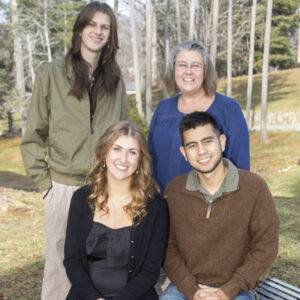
57	202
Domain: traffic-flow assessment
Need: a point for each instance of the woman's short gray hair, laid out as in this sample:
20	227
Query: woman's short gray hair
209	75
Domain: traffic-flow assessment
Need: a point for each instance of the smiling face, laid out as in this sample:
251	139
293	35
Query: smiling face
95	34
123	158
189	71
203	148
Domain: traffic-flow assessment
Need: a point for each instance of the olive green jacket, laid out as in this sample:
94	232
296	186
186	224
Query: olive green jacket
60	141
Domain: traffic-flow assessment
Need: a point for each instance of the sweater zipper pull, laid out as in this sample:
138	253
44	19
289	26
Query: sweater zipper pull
208	211
91	123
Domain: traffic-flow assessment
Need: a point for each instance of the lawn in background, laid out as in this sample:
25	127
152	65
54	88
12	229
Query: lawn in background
283	90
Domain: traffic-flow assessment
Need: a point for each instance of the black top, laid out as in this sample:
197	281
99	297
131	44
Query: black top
147	248
108	256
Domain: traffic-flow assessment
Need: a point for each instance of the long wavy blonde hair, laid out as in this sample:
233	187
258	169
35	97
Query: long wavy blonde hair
141	187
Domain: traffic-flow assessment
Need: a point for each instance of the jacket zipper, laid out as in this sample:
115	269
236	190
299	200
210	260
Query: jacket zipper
91	125
92	80
208	211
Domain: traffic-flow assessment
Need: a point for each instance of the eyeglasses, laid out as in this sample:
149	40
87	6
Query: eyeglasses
184	66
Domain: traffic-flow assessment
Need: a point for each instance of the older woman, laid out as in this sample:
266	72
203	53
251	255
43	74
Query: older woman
191	73
117	225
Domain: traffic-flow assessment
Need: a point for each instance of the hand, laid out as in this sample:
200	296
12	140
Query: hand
209	293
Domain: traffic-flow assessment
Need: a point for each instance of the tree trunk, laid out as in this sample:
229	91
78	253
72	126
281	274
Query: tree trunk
178	21
46	33
30	59
166	32
10	123
251	63
18	56
192	19
116	7
18	62
214	31
65	30
148	61
154	48
265	67
298	50
137	78
229	49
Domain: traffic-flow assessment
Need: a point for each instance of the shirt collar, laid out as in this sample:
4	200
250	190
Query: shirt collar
230	182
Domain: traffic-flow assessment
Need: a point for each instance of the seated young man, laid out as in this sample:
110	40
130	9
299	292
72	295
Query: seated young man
223	222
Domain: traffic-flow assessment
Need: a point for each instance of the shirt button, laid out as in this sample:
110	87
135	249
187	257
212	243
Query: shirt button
131	242
132	256
130	271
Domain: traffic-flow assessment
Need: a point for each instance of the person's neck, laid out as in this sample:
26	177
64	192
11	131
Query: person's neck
118	189
198	101
92	59
213	180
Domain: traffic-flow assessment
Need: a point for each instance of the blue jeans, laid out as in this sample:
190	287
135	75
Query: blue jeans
171	293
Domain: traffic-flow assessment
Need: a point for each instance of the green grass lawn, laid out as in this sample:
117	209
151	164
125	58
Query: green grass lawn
278	161
22	235
283	90
10	156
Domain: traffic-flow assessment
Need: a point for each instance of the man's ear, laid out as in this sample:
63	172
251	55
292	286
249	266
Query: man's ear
182	150
223	141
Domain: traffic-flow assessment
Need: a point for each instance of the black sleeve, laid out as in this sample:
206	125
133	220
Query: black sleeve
75	269
150	270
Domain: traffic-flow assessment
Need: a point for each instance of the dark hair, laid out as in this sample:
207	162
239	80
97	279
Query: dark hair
107	73
196	119
209	76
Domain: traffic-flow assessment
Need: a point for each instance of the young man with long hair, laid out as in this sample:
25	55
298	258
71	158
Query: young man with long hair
73	102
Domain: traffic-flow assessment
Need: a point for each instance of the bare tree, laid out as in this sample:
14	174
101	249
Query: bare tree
116	7
166	32
148	61
298	50
229	49
154	48
265	67
178	21
137	76
214	31
251	63
46	32
18	56
30	58
65	28
19	67
192	19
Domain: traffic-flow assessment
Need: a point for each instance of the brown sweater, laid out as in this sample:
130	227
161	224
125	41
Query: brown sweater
232	248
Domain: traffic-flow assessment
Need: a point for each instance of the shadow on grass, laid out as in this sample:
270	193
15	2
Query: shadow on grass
16	181
23	283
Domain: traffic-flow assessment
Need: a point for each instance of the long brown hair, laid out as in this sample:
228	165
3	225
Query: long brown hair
141	185
107	73
210	74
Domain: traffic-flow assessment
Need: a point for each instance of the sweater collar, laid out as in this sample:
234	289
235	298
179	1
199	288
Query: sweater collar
230	182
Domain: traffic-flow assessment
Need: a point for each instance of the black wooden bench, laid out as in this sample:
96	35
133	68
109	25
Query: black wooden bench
273	288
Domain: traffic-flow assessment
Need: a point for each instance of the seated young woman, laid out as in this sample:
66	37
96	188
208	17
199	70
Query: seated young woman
117	226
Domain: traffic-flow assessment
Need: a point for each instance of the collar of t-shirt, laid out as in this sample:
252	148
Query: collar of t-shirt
229	184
